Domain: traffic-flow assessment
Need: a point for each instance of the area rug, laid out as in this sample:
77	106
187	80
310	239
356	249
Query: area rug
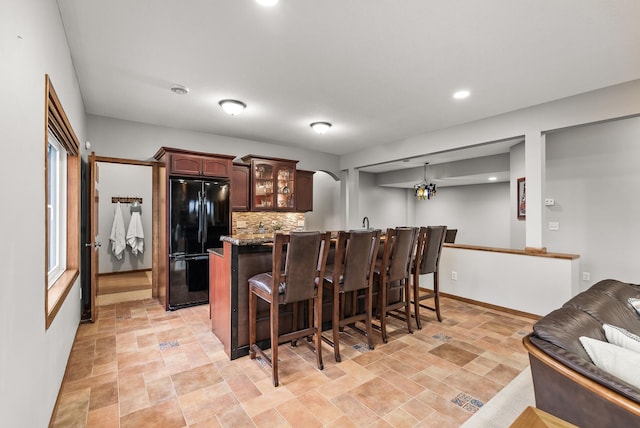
506	405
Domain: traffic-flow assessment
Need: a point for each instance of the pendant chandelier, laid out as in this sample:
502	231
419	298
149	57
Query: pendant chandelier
424	189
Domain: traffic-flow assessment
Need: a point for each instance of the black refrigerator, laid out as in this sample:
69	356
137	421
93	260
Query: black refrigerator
199	214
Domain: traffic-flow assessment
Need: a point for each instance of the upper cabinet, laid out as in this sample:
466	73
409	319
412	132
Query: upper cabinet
272	183
304	191
188	163
240	187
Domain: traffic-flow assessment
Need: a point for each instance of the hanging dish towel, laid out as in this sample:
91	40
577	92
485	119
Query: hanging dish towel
135	234
117	233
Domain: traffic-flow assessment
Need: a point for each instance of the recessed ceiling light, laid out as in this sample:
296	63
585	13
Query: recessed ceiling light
460	95
320	127
267	2
232	107
179	89
493	178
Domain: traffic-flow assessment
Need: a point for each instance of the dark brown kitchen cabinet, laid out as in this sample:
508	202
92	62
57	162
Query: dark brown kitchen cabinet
188	163
240	187
304	190
272	183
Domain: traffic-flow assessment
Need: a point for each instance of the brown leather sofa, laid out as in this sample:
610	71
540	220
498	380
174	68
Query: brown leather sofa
566	383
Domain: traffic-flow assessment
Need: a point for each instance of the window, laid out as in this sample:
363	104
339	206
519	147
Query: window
62	184
56	209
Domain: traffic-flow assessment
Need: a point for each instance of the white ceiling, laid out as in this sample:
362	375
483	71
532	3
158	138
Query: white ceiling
380	71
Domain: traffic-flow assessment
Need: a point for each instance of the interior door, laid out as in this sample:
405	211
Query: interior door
93	233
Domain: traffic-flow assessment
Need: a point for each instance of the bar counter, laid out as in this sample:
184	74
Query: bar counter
241	257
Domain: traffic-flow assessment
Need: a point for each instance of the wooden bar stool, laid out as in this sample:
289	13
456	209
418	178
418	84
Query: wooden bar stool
352	271
392	274
304	255
427	260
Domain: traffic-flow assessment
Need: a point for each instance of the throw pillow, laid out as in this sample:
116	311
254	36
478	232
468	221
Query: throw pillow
635	303
618	361
621	337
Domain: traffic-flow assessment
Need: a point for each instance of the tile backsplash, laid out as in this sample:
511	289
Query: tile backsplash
248	222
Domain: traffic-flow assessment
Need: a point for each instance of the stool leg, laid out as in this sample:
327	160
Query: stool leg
383	310
253	303
407	306
275	317
416	299
317	322
335	323
369	308
436	295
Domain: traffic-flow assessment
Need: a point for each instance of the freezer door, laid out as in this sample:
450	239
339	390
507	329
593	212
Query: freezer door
184	215
188	280
215	213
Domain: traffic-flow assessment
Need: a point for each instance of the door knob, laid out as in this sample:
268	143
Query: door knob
94	244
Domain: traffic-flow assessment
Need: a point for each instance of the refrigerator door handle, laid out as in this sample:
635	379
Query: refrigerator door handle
204	218
199	217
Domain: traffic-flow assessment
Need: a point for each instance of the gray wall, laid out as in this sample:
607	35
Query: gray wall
385	206
124	180
592	173
32	359
326	203
133	140
480	213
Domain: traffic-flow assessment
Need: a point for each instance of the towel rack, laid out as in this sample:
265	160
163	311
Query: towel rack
125	199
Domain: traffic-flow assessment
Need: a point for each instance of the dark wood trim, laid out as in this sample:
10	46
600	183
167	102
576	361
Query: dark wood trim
489	306
247	159
161	152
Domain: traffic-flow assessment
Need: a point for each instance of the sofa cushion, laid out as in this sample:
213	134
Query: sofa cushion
606	309
619	290
616	360
621	337
564	326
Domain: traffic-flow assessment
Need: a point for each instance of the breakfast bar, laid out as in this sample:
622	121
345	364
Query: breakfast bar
241	257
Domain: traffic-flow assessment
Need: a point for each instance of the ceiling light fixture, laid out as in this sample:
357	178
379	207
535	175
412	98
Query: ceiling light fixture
320	127
232	107
424	189
493	178
460	95
267	2
179	89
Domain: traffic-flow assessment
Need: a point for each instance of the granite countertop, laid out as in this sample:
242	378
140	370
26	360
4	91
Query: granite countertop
249	238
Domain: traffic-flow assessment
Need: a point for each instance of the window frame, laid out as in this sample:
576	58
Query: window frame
56	209
58	125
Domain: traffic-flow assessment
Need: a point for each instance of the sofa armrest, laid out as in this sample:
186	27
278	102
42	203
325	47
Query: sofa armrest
571	396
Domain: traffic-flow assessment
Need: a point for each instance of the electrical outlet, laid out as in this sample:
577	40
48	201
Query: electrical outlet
241	224
586	276
549	202
454	275
300	223
554	225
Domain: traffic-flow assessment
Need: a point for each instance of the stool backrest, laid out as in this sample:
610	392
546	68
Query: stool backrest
398	250
429	247
355	258
306	256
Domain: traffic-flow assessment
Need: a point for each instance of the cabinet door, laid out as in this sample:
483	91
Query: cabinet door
240	187
304	190
186	164
262	198
285	188
215	167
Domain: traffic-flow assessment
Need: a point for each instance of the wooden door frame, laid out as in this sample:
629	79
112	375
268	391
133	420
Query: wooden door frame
154	222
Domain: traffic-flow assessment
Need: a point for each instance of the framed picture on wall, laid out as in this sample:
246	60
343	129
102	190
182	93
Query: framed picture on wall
522	199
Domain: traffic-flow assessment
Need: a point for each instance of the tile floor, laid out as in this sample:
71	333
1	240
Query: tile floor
139	366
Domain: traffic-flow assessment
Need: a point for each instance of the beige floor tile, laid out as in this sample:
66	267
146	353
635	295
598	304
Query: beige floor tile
140	365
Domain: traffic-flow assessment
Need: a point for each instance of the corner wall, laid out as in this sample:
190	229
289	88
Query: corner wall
32	359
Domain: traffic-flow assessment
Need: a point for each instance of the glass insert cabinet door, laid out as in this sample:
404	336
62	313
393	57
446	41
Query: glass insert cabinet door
285	188
263	185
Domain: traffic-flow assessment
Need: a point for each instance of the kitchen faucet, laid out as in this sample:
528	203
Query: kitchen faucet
365	222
